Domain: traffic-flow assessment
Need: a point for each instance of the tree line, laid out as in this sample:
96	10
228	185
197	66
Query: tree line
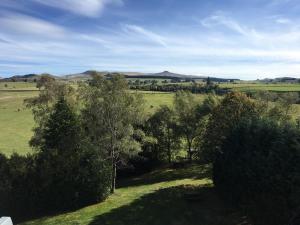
87	137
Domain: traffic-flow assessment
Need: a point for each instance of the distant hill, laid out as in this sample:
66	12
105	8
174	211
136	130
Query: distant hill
281	79
170	75
27	77
87	75
164	75
81	76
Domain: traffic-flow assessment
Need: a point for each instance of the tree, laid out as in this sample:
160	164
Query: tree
45	80
163	128
191	116
110	116
234	107
286	101
258	167
62	130
208	81
71	172
42	105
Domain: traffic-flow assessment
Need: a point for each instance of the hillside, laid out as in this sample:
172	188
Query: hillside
87	74
166	196
138	75
25	78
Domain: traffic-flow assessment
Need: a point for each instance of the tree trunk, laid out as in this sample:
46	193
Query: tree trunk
169	153
169	147
113	178
190	151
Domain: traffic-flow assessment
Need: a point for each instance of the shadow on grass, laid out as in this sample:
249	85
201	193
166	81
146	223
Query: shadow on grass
168	174
181	205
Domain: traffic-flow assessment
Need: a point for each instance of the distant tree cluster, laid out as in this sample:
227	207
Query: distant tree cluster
193	87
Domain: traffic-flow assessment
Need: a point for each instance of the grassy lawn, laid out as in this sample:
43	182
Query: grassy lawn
159	198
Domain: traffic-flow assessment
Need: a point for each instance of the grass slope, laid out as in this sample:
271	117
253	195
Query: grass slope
162	197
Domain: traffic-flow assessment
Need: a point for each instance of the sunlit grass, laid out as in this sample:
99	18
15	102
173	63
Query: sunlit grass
158	198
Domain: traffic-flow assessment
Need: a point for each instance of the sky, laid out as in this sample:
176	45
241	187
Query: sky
246	39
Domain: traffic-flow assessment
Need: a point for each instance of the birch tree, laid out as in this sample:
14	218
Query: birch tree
110	116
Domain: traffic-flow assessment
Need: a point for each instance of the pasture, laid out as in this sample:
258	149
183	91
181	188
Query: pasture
253	87
16	121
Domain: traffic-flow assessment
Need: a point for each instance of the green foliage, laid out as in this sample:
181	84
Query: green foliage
65	173
110	116
258	168
191	116
165	132
185	107
279	106
73	171
18	186
62	130
42	105
233	108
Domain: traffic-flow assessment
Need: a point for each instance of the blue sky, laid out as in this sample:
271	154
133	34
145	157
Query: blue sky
245	39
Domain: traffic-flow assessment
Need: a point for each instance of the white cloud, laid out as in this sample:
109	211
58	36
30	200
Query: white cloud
145	33
89	8
219	19
27	25
93	38
283	21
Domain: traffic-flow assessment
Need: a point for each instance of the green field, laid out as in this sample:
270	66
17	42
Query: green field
16	122
17	86
159	198
247	86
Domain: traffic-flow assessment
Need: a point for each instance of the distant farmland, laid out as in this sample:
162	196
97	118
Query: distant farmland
16	122
279	87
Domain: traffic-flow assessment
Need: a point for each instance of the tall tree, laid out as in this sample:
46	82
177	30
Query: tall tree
62	130
162	126
42	105
191	116
110	115
70	171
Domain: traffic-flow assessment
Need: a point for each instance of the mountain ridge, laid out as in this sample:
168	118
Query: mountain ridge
87	75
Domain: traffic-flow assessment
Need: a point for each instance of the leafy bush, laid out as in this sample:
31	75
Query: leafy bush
233	108
258	168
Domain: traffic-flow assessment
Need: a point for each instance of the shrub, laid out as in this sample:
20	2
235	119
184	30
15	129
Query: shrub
258	168
43	183
232	109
